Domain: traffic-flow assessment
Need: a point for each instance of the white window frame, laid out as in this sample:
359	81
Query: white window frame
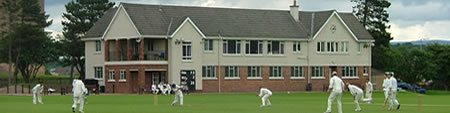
232	72
318	72
209	72
123	76
280	48
98	46
344	47
350	72
98	72
248	47
112	76
208	45
297	72
365	71
254	72
237	47
276	72
320	47
186	47
297	48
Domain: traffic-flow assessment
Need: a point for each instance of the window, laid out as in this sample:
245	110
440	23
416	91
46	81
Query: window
296	46
317	71
111	75
296	72
332	46
209	71
187	51
275	47
276	71
150	45
232	46
208	45
123	75
254	71
358	47
349	71
98	46
254	47
344	47
321	46
98	72
232	71
366	70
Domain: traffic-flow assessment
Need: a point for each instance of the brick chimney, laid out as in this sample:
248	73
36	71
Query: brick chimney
294	11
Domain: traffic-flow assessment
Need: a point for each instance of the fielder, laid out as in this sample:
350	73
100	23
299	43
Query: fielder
168	88
335	89
357	95
37	91
178	95
79	93
154	89
265	93
161	88
369	89
393	91
385	88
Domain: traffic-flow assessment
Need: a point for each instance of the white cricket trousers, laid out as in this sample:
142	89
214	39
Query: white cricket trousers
369	94
393	100
39	98
335	95
265	99
178	96
78	100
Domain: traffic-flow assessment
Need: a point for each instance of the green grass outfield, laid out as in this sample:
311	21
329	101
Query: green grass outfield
434	102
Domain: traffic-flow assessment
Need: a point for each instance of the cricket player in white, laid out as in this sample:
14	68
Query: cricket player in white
265	93
385	88
79	91
393	91
161	88
178	95
168	88
335	89
154	89
357	94
369	89
37	90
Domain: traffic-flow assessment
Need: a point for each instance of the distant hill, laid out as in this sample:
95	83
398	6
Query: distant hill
424	42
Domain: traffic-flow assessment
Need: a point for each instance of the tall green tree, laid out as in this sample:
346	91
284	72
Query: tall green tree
374	16
411	65
81	16
441	57
10	9
32	45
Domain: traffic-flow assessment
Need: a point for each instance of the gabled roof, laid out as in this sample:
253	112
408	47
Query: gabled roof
100	26
229	22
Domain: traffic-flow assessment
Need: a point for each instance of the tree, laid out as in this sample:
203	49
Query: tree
374	16
441	57
33	47
81	16
411	65
11	8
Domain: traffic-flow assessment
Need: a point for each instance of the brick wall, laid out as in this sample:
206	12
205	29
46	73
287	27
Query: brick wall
127	86
277	85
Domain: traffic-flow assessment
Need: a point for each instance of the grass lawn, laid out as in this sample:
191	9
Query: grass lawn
221	103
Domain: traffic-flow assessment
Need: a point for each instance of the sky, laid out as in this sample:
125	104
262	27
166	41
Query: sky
410	20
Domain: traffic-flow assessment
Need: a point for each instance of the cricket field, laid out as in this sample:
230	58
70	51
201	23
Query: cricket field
303	102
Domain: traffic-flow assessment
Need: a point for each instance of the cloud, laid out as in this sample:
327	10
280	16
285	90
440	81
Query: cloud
420	10
429	30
